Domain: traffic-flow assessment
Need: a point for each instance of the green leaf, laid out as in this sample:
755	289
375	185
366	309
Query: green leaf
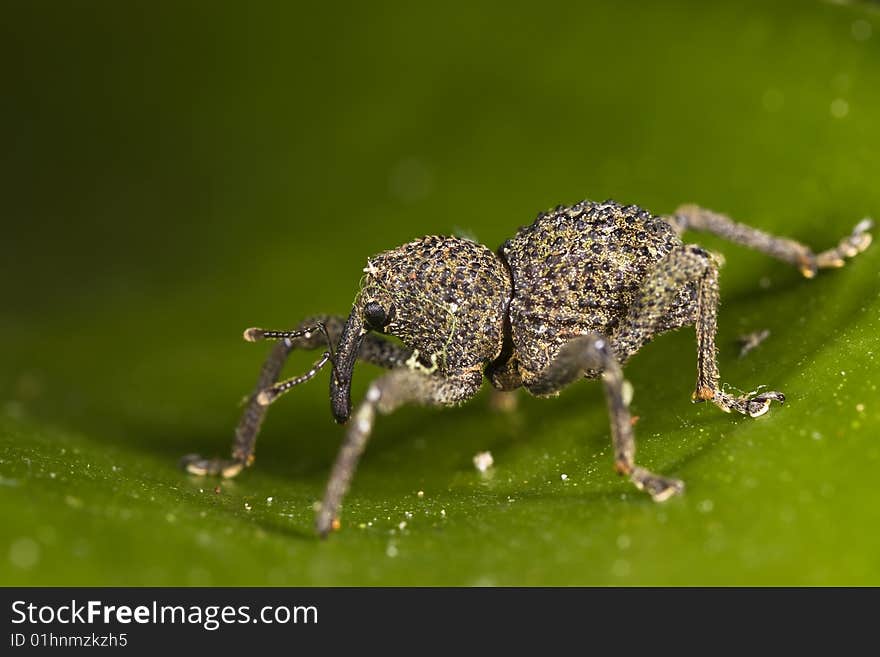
163	199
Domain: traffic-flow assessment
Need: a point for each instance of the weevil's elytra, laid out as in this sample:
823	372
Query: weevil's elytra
573	295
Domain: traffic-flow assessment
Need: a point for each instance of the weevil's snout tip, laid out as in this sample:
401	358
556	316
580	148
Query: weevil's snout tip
340	400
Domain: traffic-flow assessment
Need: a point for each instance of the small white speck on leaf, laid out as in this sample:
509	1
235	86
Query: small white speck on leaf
483	461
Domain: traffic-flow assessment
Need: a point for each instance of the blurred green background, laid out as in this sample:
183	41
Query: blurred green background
175	172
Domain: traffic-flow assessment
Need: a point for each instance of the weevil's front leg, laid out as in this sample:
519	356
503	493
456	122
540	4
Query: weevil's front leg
312	333
593	353
692	217
399	387
248	425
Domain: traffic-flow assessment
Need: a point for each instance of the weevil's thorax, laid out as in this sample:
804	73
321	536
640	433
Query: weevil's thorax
447	298
577	269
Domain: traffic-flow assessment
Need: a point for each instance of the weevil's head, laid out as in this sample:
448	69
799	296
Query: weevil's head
375	309
444	298
371	312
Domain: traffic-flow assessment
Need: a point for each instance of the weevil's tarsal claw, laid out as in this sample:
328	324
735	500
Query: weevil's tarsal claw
863	226
808	267
753	405
774	395
659	488
757	407
827	260
231	468
760	404
849	247
202	467
860	239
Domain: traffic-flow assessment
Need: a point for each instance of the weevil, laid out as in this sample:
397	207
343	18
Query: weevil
574	295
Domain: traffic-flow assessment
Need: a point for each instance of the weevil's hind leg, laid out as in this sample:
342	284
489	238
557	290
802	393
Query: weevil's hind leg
692	217
708	377
385	394
592	353
311	333
682	289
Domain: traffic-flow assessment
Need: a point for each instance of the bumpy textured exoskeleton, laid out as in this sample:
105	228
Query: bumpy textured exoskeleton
572	296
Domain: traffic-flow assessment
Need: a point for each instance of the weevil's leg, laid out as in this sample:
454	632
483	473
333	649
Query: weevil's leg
592	353
385	394
311	333
684	287
707	388
692	217
249	424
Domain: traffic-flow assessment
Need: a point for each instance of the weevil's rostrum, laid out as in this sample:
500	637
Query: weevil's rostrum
572	296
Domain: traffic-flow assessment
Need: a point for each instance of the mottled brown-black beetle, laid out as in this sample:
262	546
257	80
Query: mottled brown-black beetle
574	295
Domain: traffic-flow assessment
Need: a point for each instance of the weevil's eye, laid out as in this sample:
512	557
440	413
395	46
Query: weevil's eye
375	316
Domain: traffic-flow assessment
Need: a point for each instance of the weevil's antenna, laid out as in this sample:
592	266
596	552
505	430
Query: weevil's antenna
255	334
267	396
